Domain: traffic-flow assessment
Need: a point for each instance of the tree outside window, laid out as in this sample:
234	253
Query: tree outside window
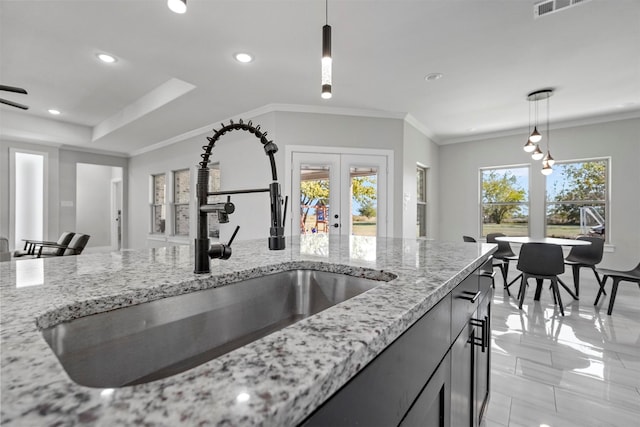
577	199
505	201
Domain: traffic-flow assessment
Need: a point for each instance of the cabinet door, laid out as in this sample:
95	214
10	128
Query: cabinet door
432	407
483	360
462	378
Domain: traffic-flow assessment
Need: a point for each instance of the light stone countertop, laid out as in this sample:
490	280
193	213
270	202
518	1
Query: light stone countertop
283	377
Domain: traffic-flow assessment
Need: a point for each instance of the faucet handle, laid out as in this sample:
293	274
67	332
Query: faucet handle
220	250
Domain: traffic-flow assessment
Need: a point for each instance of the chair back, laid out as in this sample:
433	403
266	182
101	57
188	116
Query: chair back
587	254
468	239
77	244
504	248
543	259
64	240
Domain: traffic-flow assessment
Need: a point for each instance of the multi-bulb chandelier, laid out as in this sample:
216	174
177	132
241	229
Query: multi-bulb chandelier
532	145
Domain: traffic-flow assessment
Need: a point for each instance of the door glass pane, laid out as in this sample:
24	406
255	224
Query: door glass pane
29	204
314	198
364	192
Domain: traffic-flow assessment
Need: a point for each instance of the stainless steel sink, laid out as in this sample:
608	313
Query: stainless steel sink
154	340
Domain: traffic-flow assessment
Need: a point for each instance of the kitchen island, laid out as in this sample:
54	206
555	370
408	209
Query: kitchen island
278	380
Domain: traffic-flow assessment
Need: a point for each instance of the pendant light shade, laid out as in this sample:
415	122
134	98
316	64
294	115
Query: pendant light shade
535	136
326	61
177	6
529	146
326	55
546	168
537	153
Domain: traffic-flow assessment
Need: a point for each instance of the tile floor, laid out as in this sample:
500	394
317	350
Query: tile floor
582	369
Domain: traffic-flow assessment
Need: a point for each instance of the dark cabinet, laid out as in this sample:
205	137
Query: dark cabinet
432	407
435	374
471	362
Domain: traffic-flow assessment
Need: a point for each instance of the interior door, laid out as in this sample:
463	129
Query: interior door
339	194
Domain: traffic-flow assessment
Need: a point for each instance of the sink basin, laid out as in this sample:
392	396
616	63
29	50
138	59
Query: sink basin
157	339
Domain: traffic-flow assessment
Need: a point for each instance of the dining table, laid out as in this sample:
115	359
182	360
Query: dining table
547	240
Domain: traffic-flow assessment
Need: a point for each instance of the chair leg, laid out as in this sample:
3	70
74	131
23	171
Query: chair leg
597	277
601	290
576	278
556	292
522	291
612	297
538	289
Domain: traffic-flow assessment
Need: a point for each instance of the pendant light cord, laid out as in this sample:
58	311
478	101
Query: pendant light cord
326	11
548	131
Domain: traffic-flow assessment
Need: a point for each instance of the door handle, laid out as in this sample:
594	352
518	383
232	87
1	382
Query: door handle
470	296
482	341
336	225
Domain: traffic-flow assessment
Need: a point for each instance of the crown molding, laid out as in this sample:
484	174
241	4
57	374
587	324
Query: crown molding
523	131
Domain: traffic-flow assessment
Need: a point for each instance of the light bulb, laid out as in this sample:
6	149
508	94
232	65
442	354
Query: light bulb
546	169
537	154
550	160
529	146
177	6
326	77
535	135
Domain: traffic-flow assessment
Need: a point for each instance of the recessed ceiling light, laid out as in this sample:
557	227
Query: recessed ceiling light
54	112
106	58
243	57
433	77
177	6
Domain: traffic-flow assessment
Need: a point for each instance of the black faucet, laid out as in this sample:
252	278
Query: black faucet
203	252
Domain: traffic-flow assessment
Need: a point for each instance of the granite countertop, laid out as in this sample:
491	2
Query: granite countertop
282	377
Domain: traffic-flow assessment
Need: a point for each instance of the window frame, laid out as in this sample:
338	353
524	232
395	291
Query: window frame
421	205
481	205
174	204
153	205
607	196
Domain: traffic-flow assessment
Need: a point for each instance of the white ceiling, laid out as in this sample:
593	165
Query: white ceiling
176	73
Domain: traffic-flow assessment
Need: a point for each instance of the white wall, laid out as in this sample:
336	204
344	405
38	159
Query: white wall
419	149
619	140
243	164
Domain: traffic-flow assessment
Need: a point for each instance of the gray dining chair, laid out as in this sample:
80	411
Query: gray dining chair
617	276
541	261
502	256
585	256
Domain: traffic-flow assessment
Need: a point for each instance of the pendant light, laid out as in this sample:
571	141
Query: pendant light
177	6
537	154
326	55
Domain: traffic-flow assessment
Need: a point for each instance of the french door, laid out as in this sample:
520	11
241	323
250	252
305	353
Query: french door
339	194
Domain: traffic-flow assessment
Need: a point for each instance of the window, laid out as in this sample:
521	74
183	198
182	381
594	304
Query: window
421	201
577	199
181	190
158	206
505	201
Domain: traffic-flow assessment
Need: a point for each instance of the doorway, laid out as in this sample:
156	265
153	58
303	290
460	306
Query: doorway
339	193
99	205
